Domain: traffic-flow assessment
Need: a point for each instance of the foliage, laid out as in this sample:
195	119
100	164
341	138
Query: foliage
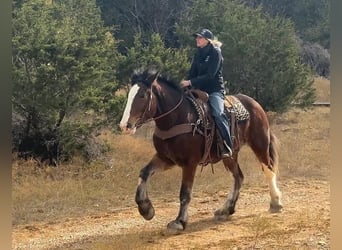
261	53
310	17
316	56
173	62
63	66
142	18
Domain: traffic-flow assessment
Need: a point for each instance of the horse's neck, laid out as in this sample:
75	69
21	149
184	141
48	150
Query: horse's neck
167	100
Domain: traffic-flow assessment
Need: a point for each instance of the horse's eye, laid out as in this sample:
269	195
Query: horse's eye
141	95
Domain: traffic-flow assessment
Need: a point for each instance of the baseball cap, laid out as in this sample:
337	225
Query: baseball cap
207	34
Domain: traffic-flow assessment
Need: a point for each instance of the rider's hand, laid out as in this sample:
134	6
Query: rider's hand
185	83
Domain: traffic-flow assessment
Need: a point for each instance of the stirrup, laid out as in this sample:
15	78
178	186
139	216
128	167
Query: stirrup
226	151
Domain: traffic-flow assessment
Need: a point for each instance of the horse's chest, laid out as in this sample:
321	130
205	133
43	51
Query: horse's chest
180	149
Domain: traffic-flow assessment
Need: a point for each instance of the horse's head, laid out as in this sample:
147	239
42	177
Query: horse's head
140	105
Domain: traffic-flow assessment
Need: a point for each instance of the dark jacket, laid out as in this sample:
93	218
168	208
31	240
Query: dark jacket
206	70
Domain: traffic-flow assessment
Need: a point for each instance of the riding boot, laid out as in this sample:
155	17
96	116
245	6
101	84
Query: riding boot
224	149
223	128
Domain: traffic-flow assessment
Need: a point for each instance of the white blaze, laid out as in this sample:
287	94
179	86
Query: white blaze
131	95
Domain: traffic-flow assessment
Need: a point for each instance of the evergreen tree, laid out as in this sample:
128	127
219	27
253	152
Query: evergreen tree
173	62
63	75
311	18
142	18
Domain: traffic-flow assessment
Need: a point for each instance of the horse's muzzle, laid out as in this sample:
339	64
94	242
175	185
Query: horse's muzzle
128	128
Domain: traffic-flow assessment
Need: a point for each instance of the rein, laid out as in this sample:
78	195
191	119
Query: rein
171	110
163	114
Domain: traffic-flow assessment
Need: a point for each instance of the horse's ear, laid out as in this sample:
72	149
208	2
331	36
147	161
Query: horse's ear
152	77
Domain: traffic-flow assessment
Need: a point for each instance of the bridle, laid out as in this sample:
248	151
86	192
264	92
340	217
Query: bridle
148	108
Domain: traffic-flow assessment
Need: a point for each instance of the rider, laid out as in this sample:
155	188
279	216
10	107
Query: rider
206	74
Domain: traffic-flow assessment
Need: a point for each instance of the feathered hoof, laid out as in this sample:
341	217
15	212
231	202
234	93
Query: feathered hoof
275	208
175	227
222	214
146	210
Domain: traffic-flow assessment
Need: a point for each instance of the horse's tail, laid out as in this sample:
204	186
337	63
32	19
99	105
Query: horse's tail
273	151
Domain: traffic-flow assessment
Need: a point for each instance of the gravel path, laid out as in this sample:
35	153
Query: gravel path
304	224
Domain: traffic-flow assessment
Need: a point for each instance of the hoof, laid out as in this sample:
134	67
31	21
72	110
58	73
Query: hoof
146	209
176	226
275	208
223	214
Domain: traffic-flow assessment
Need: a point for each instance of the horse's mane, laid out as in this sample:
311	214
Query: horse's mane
145	75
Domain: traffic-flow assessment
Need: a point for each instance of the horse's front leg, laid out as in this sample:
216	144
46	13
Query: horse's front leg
228	207
188	175
145	206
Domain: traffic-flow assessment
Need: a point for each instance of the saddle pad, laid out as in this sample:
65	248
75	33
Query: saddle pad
231	103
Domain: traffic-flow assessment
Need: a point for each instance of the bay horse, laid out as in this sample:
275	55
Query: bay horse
153	97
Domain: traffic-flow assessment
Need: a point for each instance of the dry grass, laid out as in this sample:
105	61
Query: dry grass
322	86
305	137
49	194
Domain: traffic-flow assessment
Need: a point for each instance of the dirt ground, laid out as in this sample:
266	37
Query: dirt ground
304	223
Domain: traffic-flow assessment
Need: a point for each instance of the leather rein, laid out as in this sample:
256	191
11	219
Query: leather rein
148	108
174	130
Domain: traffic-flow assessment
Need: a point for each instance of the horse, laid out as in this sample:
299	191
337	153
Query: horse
155	97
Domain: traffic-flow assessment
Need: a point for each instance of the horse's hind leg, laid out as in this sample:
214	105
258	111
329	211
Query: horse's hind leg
267	153
141	197
275	204
229	206
188	175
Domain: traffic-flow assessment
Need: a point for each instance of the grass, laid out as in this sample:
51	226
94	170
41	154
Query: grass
49	194
305	142
322	86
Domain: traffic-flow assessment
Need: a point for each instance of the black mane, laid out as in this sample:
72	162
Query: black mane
145	75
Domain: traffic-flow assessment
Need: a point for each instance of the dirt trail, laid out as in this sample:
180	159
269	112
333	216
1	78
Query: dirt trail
303	224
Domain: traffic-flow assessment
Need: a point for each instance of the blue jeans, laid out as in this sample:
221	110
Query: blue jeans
216	101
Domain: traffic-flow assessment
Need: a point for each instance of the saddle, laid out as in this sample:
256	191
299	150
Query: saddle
235	112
